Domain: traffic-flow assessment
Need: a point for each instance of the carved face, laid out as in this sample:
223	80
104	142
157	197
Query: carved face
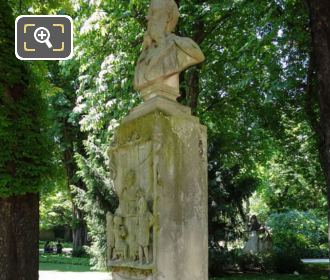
157	20
162	18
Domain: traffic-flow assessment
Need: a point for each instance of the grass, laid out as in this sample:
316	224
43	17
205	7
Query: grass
63	259
63	263
64	267
313	272
275	277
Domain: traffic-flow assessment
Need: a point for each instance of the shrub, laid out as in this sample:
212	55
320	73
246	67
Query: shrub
284	261
316	253
221	261
301	232
277	260
252	262
218	261
79	253
245	262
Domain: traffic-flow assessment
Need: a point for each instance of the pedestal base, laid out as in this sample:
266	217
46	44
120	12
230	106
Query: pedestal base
165	147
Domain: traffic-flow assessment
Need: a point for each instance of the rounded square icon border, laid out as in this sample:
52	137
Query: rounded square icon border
47	58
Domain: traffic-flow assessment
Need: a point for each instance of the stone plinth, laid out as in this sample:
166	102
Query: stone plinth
159	164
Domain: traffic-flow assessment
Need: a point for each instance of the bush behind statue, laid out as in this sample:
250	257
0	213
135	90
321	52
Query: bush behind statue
274	261
301	232
218	262
285	261
80	253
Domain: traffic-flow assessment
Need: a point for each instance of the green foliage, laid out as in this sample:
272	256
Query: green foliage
290	181
274	261
63	267
12	70
79	253
318	276
218	262
107	40
286	261
55	209
298	232
228	188
25	144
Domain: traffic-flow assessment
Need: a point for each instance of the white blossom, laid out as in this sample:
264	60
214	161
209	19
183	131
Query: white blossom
92	23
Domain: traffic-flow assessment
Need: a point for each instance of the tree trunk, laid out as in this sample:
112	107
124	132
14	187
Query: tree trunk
79	229
191	93
193	89
320	30
19	237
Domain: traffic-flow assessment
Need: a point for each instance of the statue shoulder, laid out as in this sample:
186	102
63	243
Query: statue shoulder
190	48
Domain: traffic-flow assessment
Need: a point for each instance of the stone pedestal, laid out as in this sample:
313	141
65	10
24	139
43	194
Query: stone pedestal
159	164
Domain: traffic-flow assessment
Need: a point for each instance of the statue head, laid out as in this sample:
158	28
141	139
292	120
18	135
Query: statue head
162	18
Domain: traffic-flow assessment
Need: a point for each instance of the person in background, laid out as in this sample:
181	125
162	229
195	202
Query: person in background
59	247
48	248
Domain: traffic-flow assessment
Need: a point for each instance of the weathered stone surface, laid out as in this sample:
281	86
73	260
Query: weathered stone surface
163	105
166	202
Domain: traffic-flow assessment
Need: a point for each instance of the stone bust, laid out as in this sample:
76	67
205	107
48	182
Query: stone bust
164	55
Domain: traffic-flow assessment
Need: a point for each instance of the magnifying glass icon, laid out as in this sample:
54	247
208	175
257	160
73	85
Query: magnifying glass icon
41	35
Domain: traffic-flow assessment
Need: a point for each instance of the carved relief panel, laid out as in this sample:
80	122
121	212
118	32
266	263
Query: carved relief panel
130	228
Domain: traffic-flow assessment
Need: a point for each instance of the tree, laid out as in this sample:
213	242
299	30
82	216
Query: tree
69	140
108	36
320	62
23	158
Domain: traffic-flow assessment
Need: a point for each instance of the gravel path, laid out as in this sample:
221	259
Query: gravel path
315	260
56	275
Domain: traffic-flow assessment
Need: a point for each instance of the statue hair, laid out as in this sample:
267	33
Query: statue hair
172	12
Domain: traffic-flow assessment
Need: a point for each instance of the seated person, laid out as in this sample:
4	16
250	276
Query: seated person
48	248
59	247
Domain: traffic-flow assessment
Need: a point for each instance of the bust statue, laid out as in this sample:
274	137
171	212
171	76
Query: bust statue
164	55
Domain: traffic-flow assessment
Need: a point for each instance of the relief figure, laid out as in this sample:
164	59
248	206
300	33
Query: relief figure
145	222
110	235
128	195
120	238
